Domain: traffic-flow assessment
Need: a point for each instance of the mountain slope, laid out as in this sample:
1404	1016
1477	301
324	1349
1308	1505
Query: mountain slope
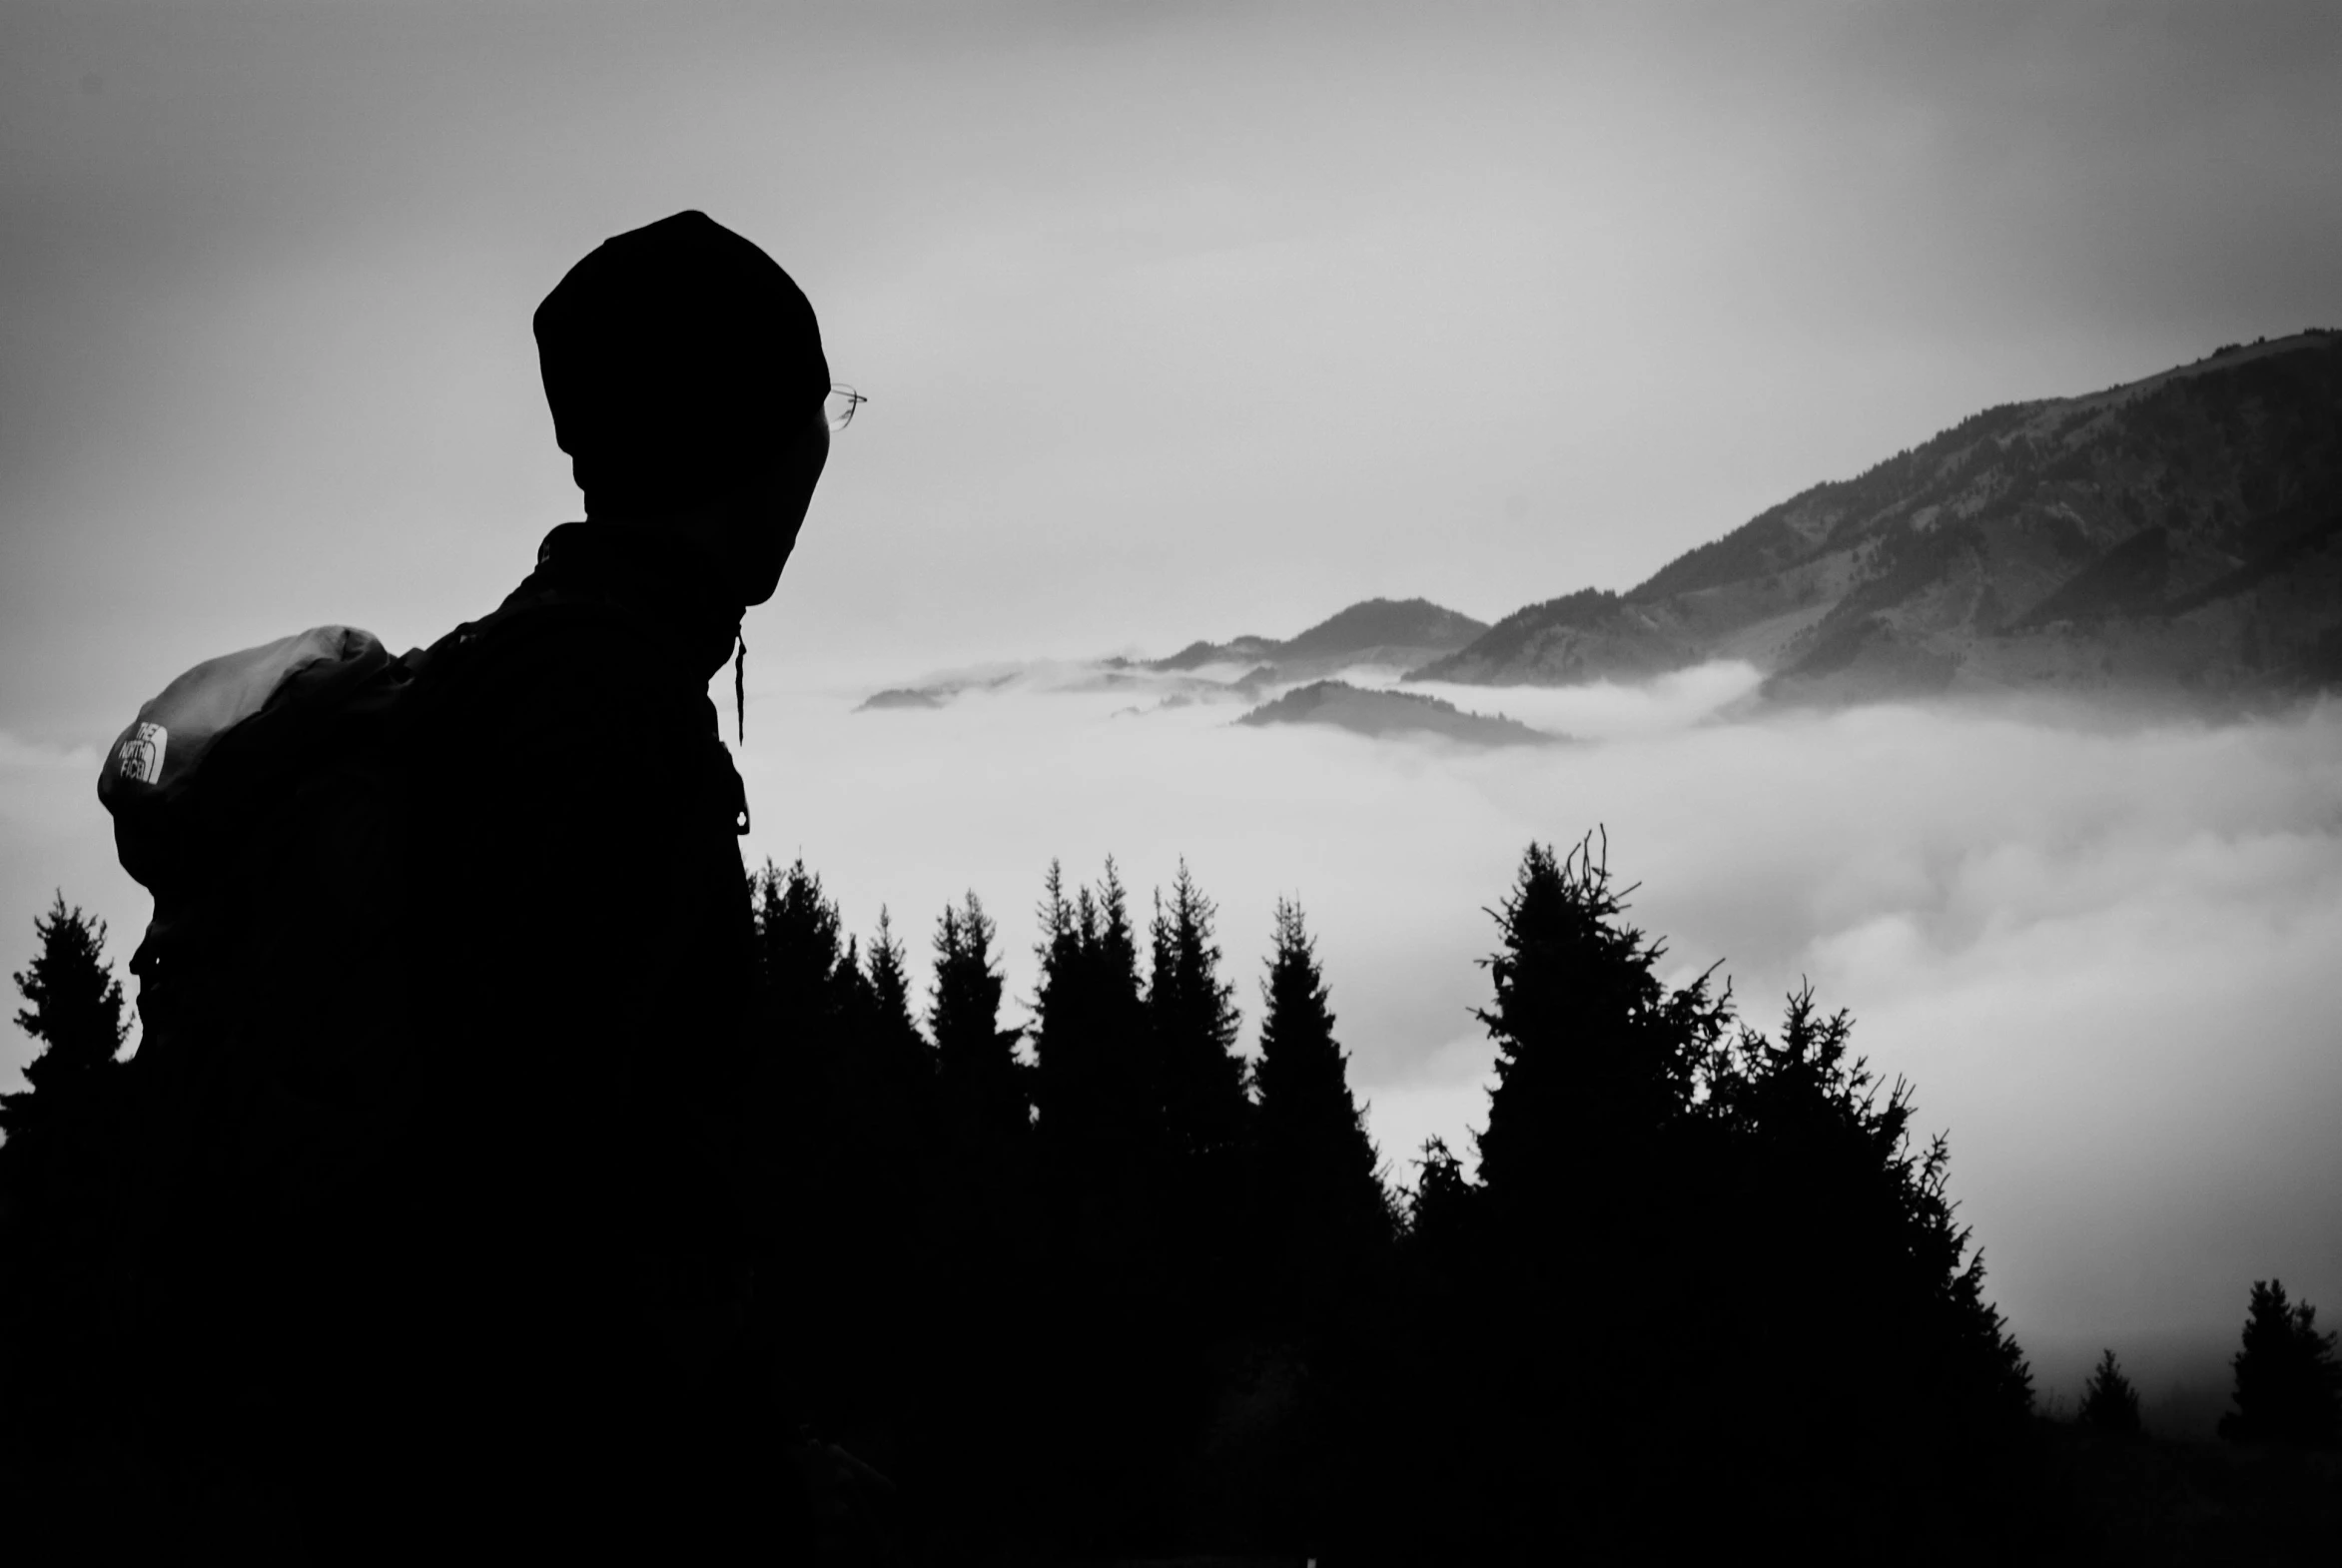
1380	623
1382	713
2181	532
1399	633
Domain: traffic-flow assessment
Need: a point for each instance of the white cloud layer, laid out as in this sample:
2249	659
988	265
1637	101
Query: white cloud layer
2102	951
2100	948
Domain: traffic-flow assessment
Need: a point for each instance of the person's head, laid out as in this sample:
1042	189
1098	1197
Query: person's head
687	379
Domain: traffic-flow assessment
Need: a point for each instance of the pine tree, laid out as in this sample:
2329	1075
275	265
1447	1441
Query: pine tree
74	1010
840	1153
1435	1204
905	1058
890	984
988	1391
1844	1209
2108	1403
1829	1239
1445	1359
1325	1214
2288	1384
1203	1111
1585	1222
975	1056
1594	1053
1711	1215
799	941
1099	1127
809	993
62	1207
1194	1021
1090	1039
1119	1369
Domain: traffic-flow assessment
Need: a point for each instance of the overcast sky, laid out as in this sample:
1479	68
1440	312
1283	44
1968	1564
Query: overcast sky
1181	321
1176	320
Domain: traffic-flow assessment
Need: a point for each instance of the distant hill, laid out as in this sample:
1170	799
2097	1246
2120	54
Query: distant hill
1398	633
1380	713
2181	533
1238	650
904	697
1380	623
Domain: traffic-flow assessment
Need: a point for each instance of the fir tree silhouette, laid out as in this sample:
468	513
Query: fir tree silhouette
61	1197
977	1057
1325	1224
1203	1113
895	1066
1594	1053
1840	1246
2288	1383
1434	1207
2109	1403
1677	1232
1096	1083
1591	1177
1326	1217
1199	1075
74	1009
988	1263
801	947
1134	1298
889	989
1114	1385
844	1122
885	1140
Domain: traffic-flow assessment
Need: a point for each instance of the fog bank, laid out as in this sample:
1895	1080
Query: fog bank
2100	951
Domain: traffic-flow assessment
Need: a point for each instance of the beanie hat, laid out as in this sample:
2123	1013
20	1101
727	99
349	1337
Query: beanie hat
674	357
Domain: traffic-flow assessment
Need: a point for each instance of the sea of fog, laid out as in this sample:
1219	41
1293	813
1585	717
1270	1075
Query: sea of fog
2104	952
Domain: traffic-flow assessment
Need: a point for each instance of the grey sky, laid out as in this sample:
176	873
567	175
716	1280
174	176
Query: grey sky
1176	320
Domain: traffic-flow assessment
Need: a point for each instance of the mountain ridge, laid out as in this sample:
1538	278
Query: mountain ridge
2178	532
1400	633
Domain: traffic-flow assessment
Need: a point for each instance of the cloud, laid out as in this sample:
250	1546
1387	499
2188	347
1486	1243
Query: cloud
29	757
2099	949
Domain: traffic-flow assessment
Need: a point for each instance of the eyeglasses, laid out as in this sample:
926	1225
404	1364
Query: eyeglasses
839	406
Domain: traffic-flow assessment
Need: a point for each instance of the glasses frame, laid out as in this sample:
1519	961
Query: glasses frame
840	414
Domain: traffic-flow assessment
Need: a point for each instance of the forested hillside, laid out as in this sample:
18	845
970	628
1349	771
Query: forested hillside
2180	537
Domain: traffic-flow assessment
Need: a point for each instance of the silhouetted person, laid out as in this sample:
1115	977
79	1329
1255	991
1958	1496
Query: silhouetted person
551	1291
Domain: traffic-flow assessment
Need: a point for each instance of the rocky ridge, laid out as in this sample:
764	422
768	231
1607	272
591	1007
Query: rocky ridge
2180	534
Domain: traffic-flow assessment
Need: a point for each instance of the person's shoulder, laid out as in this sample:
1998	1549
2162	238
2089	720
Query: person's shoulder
559	673
562	644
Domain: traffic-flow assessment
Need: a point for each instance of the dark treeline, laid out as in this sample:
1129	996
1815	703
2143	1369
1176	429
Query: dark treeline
61	1194
1108	1288
1105	1293
1105	1287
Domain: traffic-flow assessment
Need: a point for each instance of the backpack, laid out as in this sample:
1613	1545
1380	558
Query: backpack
267	799
259	797
263	799
271	801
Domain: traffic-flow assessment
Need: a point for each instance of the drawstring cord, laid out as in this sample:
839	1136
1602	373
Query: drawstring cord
740	688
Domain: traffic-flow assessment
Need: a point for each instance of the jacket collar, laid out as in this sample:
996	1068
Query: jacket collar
666	581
